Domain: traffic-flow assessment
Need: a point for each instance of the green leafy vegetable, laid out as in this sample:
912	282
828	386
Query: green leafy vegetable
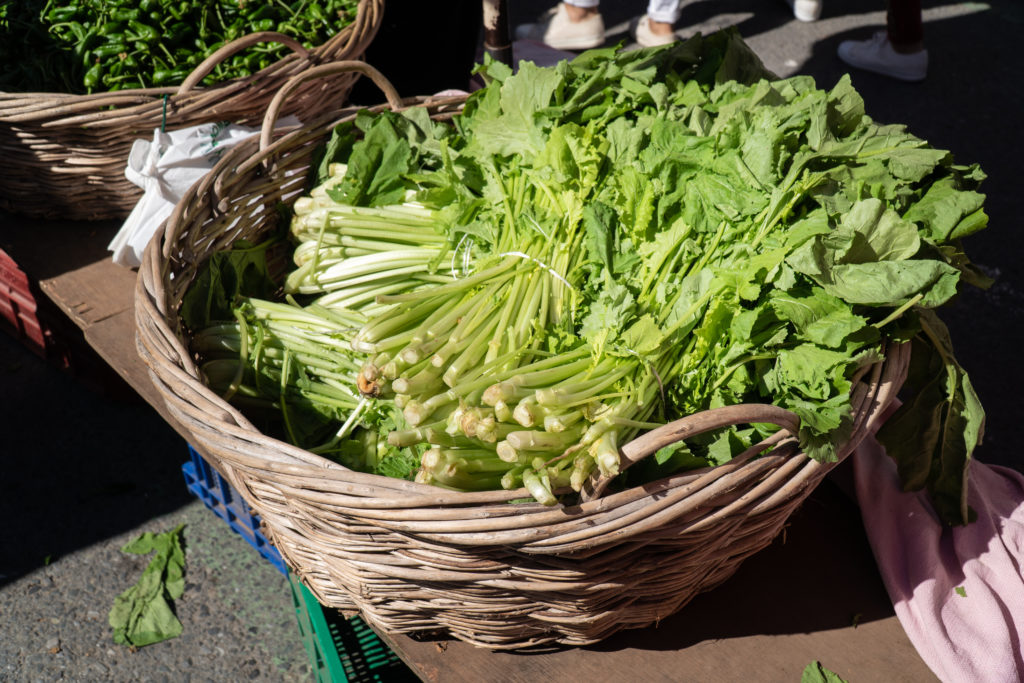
144	614
591	249
244	270
932	435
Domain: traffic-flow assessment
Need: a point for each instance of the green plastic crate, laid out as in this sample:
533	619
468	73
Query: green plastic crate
343	650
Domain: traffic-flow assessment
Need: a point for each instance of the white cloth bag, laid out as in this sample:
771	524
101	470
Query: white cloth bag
165	168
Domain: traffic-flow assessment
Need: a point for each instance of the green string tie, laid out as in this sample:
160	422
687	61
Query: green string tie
163	117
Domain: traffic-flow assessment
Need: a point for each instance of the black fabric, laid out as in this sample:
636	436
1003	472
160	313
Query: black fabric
423	48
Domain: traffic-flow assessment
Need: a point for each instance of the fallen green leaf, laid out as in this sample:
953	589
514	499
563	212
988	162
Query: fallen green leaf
144	614
816	673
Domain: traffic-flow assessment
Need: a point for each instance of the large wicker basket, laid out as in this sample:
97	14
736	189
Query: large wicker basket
415	558
65	155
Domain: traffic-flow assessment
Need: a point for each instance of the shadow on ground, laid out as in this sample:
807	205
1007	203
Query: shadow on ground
80	464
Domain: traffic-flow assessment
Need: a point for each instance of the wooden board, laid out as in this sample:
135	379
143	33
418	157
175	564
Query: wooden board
92	293
814	595
99	298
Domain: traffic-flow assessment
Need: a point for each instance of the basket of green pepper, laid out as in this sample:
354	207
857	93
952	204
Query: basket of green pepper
86	79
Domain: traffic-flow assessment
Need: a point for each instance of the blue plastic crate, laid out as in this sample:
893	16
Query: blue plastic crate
218	495
340	650
344	650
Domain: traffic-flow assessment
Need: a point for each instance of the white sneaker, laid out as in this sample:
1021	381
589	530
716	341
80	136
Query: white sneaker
805	10
645	38
876	54
556	30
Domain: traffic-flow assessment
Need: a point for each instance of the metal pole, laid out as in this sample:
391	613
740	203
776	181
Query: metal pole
497	39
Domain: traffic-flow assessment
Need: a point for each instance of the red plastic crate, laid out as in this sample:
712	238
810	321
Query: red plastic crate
18	307
32	318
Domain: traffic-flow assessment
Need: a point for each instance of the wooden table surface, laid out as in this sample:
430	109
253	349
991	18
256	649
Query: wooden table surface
814	594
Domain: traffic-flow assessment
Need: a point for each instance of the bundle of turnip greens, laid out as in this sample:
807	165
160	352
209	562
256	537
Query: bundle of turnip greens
592	249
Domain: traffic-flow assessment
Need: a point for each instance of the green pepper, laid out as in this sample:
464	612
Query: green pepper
124	14
78	30
234	31
89	41
110	49
109	27
160	65
144	32
93	76
252	63
61	14
113	38
264	25
168	77
179	32
265	11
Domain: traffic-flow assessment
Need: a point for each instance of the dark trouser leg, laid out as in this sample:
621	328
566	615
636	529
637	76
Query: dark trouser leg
906	32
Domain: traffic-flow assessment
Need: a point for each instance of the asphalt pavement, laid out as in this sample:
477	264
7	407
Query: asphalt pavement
87	466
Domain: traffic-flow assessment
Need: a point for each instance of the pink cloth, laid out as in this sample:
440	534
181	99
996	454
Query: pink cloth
958	592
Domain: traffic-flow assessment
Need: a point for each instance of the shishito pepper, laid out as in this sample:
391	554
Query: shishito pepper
61	14
93	76
169	76
115	47
143	32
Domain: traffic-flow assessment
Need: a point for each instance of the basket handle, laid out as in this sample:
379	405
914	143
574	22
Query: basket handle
207	65
330	69
689	426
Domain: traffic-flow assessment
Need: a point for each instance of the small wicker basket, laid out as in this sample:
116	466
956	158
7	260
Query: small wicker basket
65	155
415	558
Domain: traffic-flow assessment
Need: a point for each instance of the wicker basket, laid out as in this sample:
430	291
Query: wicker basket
415	558
65	155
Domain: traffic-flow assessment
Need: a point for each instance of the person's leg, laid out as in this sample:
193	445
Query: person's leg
662	16
898	51
578	10
905	26
805	10
570	25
